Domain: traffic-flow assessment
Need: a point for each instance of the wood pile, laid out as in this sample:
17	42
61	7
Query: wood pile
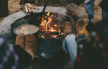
28	8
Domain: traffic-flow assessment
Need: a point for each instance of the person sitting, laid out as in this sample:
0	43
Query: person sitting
20	55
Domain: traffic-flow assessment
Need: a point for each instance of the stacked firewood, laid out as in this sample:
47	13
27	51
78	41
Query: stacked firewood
29	8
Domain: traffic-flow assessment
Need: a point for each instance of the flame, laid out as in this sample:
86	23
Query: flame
43	22
38	17
52	30
42	36
48	13
54	36
55	25
46	25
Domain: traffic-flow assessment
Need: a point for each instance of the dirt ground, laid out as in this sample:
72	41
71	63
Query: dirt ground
13	6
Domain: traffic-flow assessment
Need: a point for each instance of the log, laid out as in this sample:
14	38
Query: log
26	9
29	9
79	16
32	9
76	12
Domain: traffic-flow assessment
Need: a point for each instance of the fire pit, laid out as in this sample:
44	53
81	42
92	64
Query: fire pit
49	32
5	31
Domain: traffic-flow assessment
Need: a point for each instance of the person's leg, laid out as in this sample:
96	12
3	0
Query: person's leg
30	45
24	57
70	46
89	6
72	43
25	47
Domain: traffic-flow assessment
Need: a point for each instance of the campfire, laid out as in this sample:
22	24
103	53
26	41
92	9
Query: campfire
50	29
50	34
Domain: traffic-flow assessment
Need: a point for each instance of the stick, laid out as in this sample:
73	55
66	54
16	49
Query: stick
26	9
33	11
31	7
43	11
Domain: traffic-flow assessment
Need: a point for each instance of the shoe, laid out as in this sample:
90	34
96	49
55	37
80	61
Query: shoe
20	40
67	29
30	45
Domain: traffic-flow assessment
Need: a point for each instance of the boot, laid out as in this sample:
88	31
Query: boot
20	40
67	29
30	45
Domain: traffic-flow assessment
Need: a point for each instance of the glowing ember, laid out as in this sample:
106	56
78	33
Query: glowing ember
48	13
54	36
38	17
42	36
55	25
52	30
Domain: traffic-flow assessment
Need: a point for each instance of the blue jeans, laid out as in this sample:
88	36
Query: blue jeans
89	6
70	46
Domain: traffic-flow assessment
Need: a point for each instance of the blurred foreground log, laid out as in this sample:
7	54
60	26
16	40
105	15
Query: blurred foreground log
79	16
76	12
3	8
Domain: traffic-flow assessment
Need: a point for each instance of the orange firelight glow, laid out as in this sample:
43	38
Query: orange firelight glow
42	36
46	25
55	25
